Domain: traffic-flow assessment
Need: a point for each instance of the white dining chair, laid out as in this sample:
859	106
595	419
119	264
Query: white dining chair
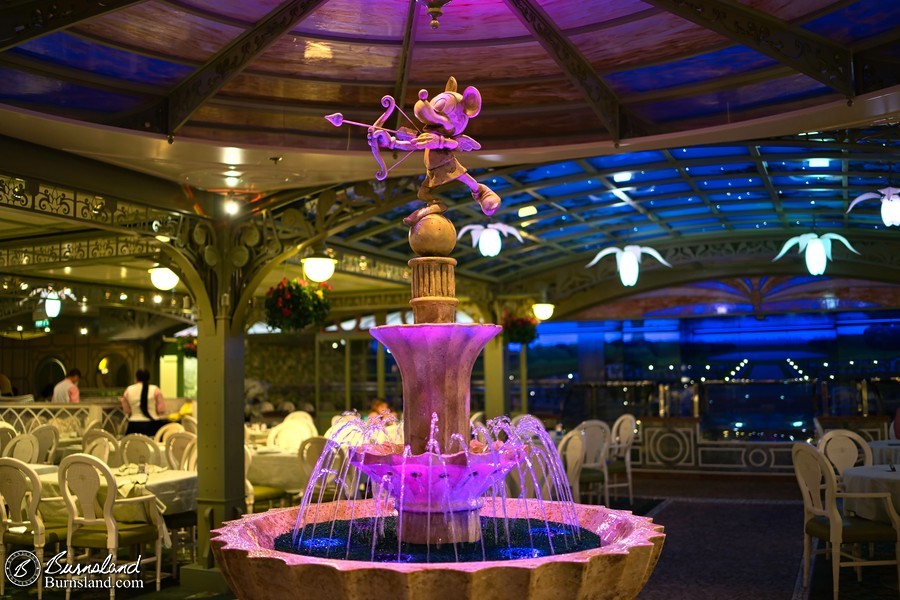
167	430
81	478
329	484
7	433
287	436
113	456
48	438
20	520
595	470
822	517
571	451
844	449
476	417
24	447
139	449
254	494
189	423
301	416
176	446
190	457
98	448
623	432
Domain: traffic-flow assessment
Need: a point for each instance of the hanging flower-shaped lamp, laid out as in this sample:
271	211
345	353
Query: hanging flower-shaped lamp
628	261
487	238
817	249
890	204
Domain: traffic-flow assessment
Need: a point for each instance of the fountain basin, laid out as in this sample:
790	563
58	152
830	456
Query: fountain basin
618	569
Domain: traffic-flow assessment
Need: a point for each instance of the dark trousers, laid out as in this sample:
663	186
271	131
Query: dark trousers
148	428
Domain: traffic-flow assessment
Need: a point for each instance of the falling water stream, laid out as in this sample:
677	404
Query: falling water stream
365	461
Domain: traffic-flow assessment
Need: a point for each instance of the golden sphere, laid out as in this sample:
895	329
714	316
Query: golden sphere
433	235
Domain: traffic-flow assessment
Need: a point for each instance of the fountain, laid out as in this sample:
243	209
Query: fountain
426	513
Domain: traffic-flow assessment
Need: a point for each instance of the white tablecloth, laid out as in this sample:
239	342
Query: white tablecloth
177	490
279	469
43	469
885	452
877	478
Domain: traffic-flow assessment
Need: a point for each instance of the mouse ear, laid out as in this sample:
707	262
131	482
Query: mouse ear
472	101
451	84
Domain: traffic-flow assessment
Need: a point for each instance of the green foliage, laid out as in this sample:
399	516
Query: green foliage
294	304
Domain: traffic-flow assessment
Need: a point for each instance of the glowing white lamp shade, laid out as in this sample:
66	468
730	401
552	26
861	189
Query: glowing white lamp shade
489	242
628	261
629	268
817	249
890	204
318	268
815	257
542	310
487	237
52	304
163	278
890	211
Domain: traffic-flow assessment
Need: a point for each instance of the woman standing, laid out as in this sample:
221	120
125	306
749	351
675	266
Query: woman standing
142	417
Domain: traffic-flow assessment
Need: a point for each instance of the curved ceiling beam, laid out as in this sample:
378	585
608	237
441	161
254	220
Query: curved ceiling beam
581	73
22	21
170	114
811	54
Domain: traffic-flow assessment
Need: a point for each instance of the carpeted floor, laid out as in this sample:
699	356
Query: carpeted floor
878	583
728	550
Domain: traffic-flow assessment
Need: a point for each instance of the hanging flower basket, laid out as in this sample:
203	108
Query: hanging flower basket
293	304
187	345
519	330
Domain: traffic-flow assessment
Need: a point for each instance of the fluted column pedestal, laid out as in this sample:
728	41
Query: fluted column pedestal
433	289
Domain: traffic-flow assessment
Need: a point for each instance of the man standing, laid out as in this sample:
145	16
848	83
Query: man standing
67	390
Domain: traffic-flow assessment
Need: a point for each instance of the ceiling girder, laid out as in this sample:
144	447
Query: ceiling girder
22	21
578	69
802	50
171	113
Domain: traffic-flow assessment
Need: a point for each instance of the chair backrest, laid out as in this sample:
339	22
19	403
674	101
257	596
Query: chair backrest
287	407
189	423
189	459
24	447
517	419
308	454
48	438
176	446
167	430
817	482
99	448
91	424
20	489
7	432
5	386
817	425
97	434
476	417
288	436
571	451
843	448
623	435
137	448
597	436
300	415
80	480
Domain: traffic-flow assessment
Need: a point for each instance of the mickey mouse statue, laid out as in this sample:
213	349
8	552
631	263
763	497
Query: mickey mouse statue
445	118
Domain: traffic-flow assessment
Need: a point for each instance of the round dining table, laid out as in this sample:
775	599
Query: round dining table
874	478
885	452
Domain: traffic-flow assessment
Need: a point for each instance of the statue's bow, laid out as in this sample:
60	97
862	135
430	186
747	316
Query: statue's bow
379	136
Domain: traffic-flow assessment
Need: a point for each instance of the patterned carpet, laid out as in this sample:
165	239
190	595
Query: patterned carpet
728	550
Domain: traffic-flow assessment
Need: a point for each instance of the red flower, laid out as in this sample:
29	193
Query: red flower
286	312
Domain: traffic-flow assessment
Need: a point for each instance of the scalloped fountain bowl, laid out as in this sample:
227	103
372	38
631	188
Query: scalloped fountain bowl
619	568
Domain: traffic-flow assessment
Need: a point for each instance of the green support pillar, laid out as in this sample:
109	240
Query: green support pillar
494	378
